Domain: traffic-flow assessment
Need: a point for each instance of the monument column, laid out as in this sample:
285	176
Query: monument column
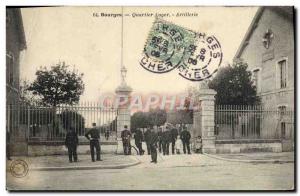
205	118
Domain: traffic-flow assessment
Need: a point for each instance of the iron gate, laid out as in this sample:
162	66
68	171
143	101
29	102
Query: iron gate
43	123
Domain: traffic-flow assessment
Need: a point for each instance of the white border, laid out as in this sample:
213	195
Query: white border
4	3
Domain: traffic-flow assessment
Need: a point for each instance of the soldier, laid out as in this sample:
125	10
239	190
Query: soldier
106	134
159	134
185	137
71	143
93	136
147	134
153	139
138	138
166	138
126	136
174	134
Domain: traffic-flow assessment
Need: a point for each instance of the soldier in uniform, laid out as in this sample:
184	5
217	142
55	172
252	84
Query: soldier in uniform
147	134
185	137
93	136
106	134
166	138
138	138
153	139
126	136
159	134
174	134
71	143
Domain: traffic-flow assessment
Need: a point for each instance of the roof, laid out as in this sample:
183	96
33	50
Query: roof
286	11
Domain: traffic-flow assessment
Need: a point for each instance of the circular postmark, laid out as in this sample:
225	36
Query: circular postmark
201	59
19	168
196	56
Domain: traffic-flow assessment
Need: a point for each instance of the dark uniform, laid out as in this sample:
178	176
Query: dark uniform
126	135
71	143
153	139
174	134
106	134
94	136
147	134
138	138
185	137
159	134
166	139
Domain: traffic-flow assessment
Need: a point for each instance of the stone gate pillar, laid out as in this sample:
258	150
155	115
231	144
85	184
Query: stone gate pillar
204	118
123	92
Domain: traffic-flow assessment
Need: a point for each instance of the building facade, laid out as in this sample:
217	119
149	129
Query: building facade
15	43
268	49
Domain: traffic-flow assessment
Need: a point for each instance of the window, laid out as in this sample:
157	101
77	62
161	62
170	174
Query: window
9	69
282	112
256	79
282	73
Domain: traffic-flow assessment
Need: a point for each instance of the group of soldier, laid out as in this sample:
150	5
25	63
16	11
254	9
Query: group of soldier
155	139
71	142
160	139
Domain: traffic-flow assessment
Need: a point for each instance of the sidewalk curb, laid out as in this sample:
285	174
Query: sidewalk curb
120	166
248	160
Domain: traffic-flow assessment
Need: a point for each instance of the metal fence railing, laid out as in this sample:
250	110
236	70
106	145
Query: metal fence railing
253	122
42	123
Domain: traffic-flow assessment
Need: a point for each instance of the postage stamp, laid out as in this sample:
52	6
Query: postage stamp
165	47
195	55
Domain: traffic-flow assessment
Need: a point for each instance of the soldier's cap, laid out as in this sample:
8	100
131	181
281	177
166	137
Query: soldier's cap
125	126
94	124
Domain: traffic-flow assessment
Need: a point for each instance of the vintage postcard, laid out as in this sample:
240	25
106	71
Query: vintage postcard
159	98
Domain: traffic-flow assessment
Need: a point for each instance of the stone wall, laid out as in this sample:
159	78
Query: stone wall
247	146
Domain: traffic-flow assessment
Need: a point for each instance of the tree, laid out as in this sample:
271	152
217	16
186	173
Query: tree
139	120
73	119
157	117
58	85
234	86
26	96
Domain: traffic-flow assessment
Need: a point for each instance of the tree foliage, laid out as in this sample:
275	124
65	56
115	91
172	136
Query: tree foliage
234	86
58	85
139	120
156	117
26	96
72	119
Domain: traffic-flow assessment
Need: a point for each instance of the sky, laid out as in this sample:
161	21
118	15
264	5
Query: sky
93	44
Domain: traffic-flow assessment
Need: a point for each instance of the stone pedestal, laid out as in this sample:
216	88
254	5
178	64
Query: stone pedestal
204	119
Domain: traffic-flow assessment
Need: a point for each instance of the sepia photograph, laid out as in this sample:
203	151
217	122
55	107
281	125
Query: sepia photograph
150	98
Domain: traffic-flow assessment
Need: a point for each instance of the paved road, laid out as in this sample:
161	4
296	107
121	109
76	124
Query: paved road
177	172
